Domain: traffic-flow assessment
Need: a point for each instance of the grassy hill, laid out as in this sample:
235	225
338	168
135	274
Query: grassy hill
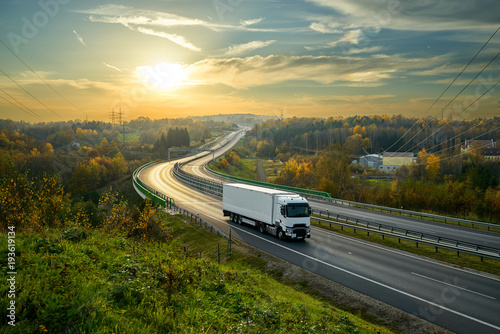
89	281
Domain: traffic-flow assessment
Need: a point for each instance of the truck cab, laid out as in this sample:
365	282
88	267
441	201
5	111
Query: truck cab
292	217
280	213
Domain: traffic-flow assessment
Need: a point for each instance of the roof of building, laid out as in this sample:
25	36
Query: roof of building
486	143
398	155
491	152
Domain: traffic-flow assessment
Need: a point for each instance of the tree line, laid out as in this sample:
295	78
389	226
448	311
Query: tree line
319	154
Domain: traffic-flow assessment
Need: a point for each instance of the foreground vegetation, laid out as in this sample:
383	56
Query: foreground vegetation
79	280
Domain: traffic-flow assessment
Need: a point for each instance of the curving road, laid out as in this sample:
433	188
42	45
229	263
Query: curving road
461	301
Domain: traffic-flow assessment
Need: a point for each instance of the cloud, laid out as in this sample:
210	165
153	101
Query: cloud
80	39
429	15
127	16
351	37
235	50
111	66
177	39
243	73
326	28
251	22
372	49
28	79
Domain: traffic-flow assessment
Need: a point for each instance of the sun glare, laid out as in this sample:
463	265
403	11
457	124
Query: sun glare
163	76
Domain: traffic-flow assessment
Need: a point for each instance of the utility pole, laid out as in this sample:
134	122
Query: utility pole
120	120
120	117
113	116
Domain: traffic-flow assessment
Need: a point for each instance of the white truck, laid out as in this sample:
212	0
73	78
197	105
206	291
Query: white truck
279	213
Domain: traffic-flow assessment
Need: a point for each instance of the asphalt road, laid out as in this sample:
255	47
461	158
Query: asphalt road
461	233
459	300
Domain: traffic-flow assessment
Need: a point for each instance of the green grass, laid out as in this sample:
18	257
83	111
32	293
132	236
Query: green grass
247	169
463	260
90	281
495	229
130	136
272	169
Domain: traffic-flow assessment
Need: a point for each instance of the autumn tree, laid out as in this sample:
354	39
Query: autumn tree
233	158
31	203
334	171
433	167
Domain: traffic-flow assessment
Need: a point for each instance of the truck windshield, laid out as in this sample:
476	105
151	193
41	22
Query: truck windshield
298	210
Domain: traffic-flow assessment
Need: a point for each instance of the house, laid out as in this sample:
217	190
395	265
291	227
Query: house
75	144
491	150
393	160
371	160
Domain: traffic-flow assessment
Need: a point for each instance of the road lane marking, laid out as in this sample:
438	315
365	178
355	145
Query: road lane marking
375	282
403	253
455	286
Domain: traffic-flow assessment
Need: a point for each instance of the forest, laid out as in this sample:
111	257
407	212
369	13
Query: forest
82	159
319	154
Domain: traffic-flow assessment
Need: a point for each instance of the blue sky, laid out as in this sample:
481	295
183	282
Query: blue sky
318	58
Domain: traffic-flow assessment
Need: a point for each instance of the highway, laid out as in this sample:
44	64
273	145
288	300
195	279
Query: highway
459	300
461	233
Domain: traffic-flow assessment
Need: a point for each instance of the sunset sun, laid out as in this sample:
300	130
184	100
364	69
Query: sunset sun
163	76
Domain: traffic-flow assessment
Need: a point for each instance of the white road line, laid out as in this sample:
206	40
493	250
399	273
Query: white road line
403	253
377	283
455	286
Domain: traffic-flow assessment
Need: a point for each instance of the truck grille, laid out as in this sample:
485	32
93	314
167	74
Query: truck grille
300	232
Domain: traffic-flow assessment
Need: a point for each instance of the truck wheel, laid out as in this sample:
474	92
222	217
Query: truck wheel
231	217
281	235
262	228
240	220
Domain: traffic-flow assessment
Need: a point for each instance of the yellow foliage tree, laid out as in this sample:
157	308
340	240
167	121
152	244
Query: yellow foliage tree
433	167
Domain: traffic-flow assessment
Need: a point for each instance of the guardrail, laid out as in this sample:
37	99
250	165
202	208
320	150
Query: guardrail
211	187
271	185
148	191
368	226
323	196
168	202
410	235
420	215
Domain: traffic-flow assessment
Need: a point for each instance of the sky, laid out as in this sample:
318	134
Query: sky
72	59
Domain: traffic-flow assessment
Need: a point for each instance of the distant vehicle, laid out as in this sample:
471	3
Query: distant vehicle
279	213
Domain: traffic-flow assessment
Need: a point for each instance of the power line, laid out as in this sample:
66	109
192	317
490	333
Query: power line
39	77
456	155
15	105
26	109
477	99
477	53
43	104
466	86
463	70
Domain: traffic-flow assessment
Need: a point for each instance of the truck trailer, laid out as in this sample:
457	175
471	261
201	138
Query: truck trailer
277	212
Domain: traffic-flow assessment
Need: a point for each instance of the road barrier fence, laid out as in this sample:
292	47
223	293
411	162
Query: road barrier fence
406	234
